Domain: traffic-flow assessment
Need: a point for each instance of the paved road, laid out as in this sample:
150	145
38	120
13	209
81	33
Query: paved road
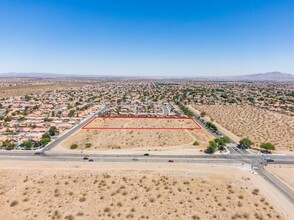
236	157
54	143
278	184
116	159
257	162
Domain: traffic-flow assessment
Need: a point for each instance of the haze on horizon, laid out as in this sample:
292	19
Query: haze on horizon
148	38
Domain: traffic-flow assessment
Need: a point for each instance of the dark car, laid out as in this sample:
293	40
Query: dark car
85	158
146	155
170	161
270	160
38	153
91	160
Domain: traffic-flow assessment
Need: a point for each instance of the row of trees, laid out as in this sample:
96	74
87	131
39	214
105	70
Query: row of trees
185	109
217	144
247	143
220	143
189	113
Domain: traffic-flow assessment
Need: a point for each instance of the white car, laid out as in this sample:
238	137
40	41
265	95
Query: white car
136	159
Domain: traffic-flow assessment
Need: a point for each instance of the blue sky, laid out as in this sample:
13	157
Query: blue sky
152	37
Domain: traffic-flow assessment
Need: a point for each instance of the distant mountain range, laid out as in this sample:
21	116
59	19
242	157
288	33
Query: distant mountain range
270	76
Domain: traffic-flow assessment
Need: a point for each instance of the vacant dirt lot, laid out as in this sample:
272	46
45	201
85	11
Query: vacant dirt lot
283	172
141	123
31	190
138	139
257	124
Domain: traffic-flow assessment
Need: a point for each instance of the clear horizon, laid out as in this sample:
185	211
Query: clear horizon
147	38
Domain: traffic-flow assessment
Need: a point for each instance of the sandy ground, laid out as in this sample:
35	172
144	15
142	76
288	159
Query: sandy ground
34	190
141	123
259	125
8	92
225	131
284	173
155	140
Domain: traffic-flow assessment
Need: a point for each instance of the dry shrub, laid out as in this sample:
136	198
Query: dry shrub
13	203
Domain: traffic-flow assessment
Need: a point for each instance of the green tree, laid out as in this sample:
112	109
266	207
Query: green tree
53	131
8	119
245	142
27	145
118	109
71	113
212	126
268	146
226	139
211	147
46	135
9	144
44	141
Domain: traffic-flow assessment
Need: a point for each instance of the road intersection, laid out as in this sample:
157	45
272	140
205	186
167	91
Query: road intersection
234	157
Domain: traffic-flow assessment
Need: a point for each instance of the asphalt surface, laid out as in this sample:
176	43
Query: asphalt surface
54	143
235	157
288	193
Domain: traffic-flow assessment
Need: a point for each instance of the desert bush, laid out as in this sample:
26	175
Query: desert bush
255	191
152	200
195	217
196	143
82	199
13	203
107	209
73	146
69	217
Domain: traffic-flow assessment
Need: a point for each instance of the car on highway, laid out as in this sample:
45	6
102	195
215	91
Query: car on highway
91	160
136	159
86	158
170	161
38	153
269	160
146	155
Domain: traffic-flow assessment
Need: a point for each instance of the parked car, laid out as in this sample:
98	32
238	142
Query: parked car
91	160
170	161
146	155
86	158
136	159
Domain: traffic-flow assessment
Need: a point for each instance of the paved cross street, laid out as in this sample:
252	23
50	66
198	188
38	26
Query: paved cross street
234	157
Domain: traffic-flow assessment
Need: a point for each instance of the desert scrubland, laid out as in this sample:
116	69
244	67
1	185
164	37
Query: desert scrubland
30	190
257	124
138	139
133	139
20	90
132	122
